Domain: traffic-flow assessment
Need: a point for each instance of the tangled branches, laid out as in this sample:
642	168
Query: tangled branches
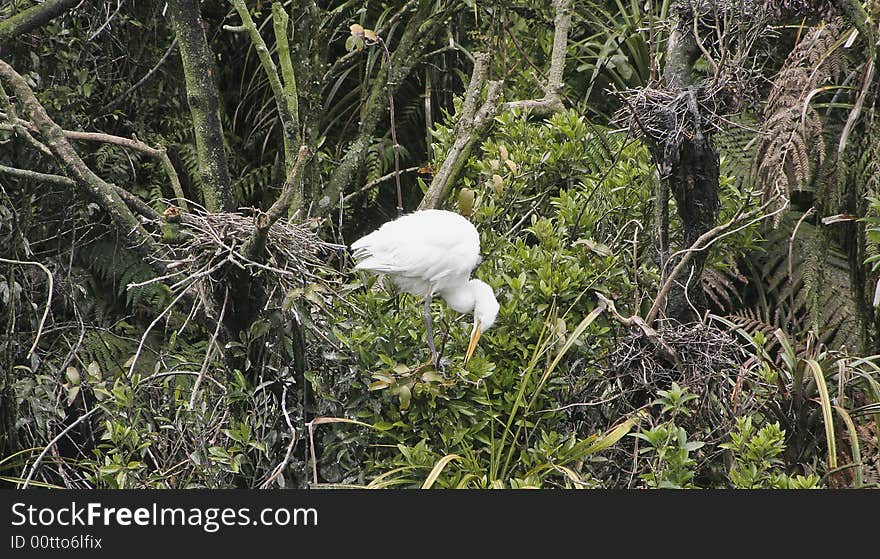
666	117
725	35
710	364
206	242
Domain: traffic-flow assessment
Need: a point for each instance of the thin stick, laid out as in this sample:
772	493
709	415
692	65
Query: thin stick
57	438
375	182
152	324
704	241
312	452
114	103
280	468
48	300
211	344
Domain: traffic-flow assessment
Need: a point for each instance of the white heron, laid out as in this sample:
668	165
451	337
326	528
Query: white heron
427	253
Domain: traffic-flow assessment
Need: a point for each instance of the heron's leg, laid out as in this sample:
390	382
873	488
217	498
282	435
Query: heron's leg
429	328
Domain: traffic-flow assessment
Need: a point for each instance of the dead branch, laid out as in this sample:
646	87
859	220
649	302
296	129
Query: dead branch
662	349
702	243
255	245
552	100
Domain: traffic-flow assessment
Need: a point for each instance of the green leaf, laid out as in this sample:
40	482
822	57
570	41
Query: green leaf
438	469
405	395
825	401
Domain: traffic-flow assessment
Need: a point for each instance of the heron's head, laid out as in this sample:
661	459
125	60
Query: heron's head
485	312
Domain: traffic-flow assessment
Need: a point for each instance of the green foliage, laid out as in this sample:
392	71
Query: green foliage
114	268
671	463
544	268
757	455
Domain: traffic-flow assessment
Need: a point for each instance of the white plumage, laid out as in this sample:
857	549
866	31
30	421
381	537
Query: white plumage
427	253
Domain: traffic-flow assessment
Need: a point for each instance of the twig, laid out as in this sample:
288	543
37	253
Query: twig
48	299
395	146
312	453
211	344
116	102
140	347
57	438
119	4
375	182
703	242
280	468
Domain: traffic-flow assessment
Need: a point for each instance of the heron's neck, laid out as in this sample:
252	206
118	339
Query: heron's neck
459	298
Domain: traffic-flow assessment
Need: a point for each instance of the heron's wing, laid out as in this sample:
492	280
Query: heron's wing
429	246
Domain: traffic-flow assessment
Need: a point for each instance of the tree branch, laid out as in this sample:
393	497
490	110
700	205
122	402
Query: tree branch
280	22
702	243
473	125
412	43
105	194
257	243
471	128
158	153
552	100
33	18
281	102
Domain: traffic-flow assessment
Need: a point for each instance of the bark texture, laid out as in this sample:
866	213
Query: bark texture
693	167
204	105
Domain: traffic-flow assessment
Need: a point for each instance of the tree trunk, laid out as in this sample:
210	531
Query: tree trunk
693	173
198	64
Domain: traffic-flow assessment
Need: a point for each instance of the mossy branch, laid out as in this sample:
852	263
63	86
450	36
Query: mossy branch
204	104
281	102
103	193
472	127
280	21
33	18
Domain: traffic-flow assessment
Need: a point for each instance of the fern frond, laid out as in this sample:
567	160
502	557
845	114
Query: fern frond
791	147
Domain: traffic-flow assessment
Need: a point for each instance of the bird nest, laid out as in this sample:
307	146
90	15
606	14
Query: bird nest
708	363
668	116
706	359
204	244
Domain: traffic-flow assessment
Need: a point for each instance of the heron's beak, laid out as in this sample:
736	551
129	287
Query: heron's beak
475	337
